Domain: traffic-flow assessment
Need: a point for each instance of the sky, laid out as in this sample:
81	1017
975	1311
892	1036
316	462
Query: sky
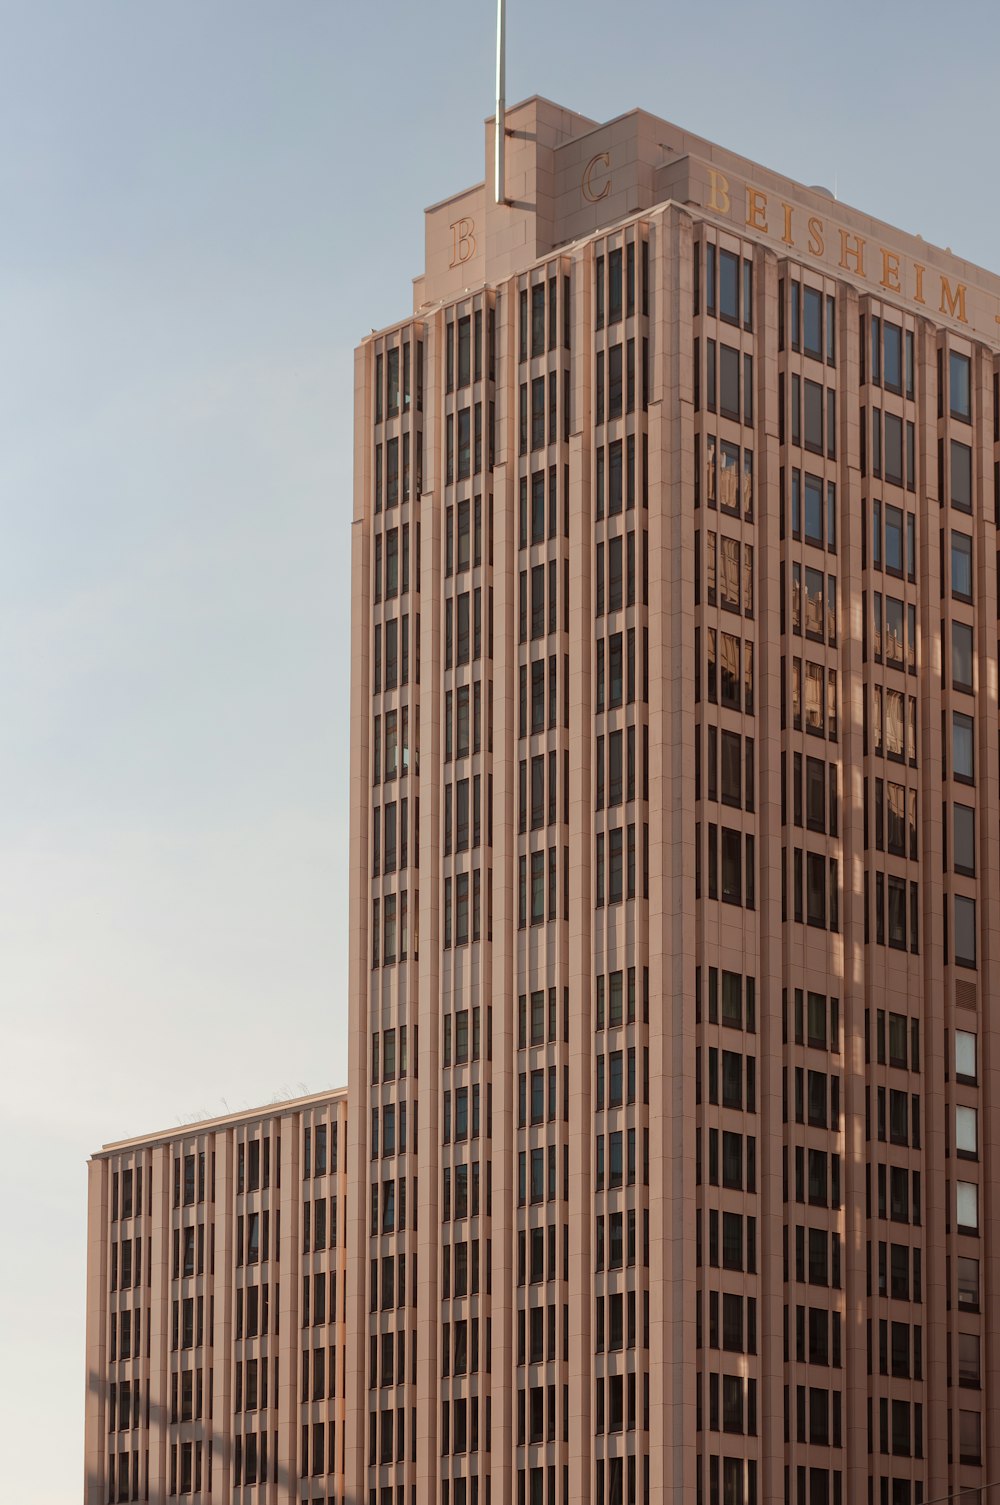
203	208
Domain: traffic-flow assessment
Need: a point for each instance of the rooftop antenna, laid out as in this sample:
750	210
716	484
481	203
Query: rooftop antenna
500	126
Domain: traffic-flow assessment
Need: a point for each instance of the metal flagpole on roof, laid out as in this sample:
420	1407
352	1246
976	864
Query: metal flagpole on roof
500	128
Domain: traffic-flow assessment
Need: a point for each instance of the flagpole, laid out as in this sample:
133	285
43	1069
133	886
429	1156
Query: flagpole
500	126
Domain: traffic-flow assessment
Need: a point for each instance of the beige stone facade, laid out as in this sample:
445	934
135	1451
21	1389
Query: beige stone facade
216	1291
674	880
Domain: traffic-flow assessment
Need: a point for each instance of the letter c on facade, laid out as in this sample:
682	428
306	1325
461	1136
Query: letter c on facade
603	159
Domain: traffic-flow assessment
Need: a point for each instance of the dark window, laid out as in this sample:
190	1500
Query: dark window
614	286
732	868
813	416
961	566
892	361
538	319
538	412
815	889
464	350
812	322
729	382
894	540
961	476
964	839
614	381
729	287
960	386
961	656
731	769
813	508
962	747
965	931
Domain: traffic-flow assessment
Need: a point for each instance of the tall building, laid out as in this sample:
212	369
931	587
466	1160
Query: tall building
674	871
215	1325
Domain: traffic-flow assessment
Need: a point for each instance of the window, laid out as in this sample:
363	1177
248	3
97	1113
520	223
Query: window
967	1206
815	709
615	866
614	478
813	508
969	1443
537	888
897	913
961	566
812	324
729	287
961	656
732	1241
729	382
960	386
538	319
614	286
813	416
729	574
962	748
895	803
813	605
815	1020
816	889
732	1079
732	999
965	931
964	839
731	768
392	381
538	412
464	444
538	507
729	479
894	540
893	453
968	1283
965	1056
732	879
961	476
892	363
968	1360
815	794
729	656
464	343
615	578
614	372
966	1138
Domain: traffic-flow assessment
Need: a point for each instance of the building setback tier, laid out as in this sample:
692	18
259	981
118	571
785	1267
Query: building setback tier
216	1292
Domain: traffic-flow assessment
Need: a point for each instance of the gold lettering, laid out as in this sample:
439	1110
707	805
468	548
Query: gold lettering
890	271
955	300
756	209
893	266
718	185
463	241
603	159
857	251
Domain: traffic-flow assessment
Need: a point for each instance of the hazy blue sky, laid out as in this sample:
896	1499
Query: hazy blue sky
202	208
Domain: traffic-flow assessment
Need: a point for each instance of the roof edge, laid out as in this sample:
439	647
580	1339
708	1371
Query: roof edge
222	1120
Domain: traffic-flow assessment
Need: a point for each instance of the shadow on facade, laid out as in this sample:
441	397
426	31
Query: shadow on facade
287	1487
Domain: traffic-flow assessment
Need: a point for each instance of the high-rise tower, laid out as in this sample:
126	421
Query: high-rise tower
674	861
